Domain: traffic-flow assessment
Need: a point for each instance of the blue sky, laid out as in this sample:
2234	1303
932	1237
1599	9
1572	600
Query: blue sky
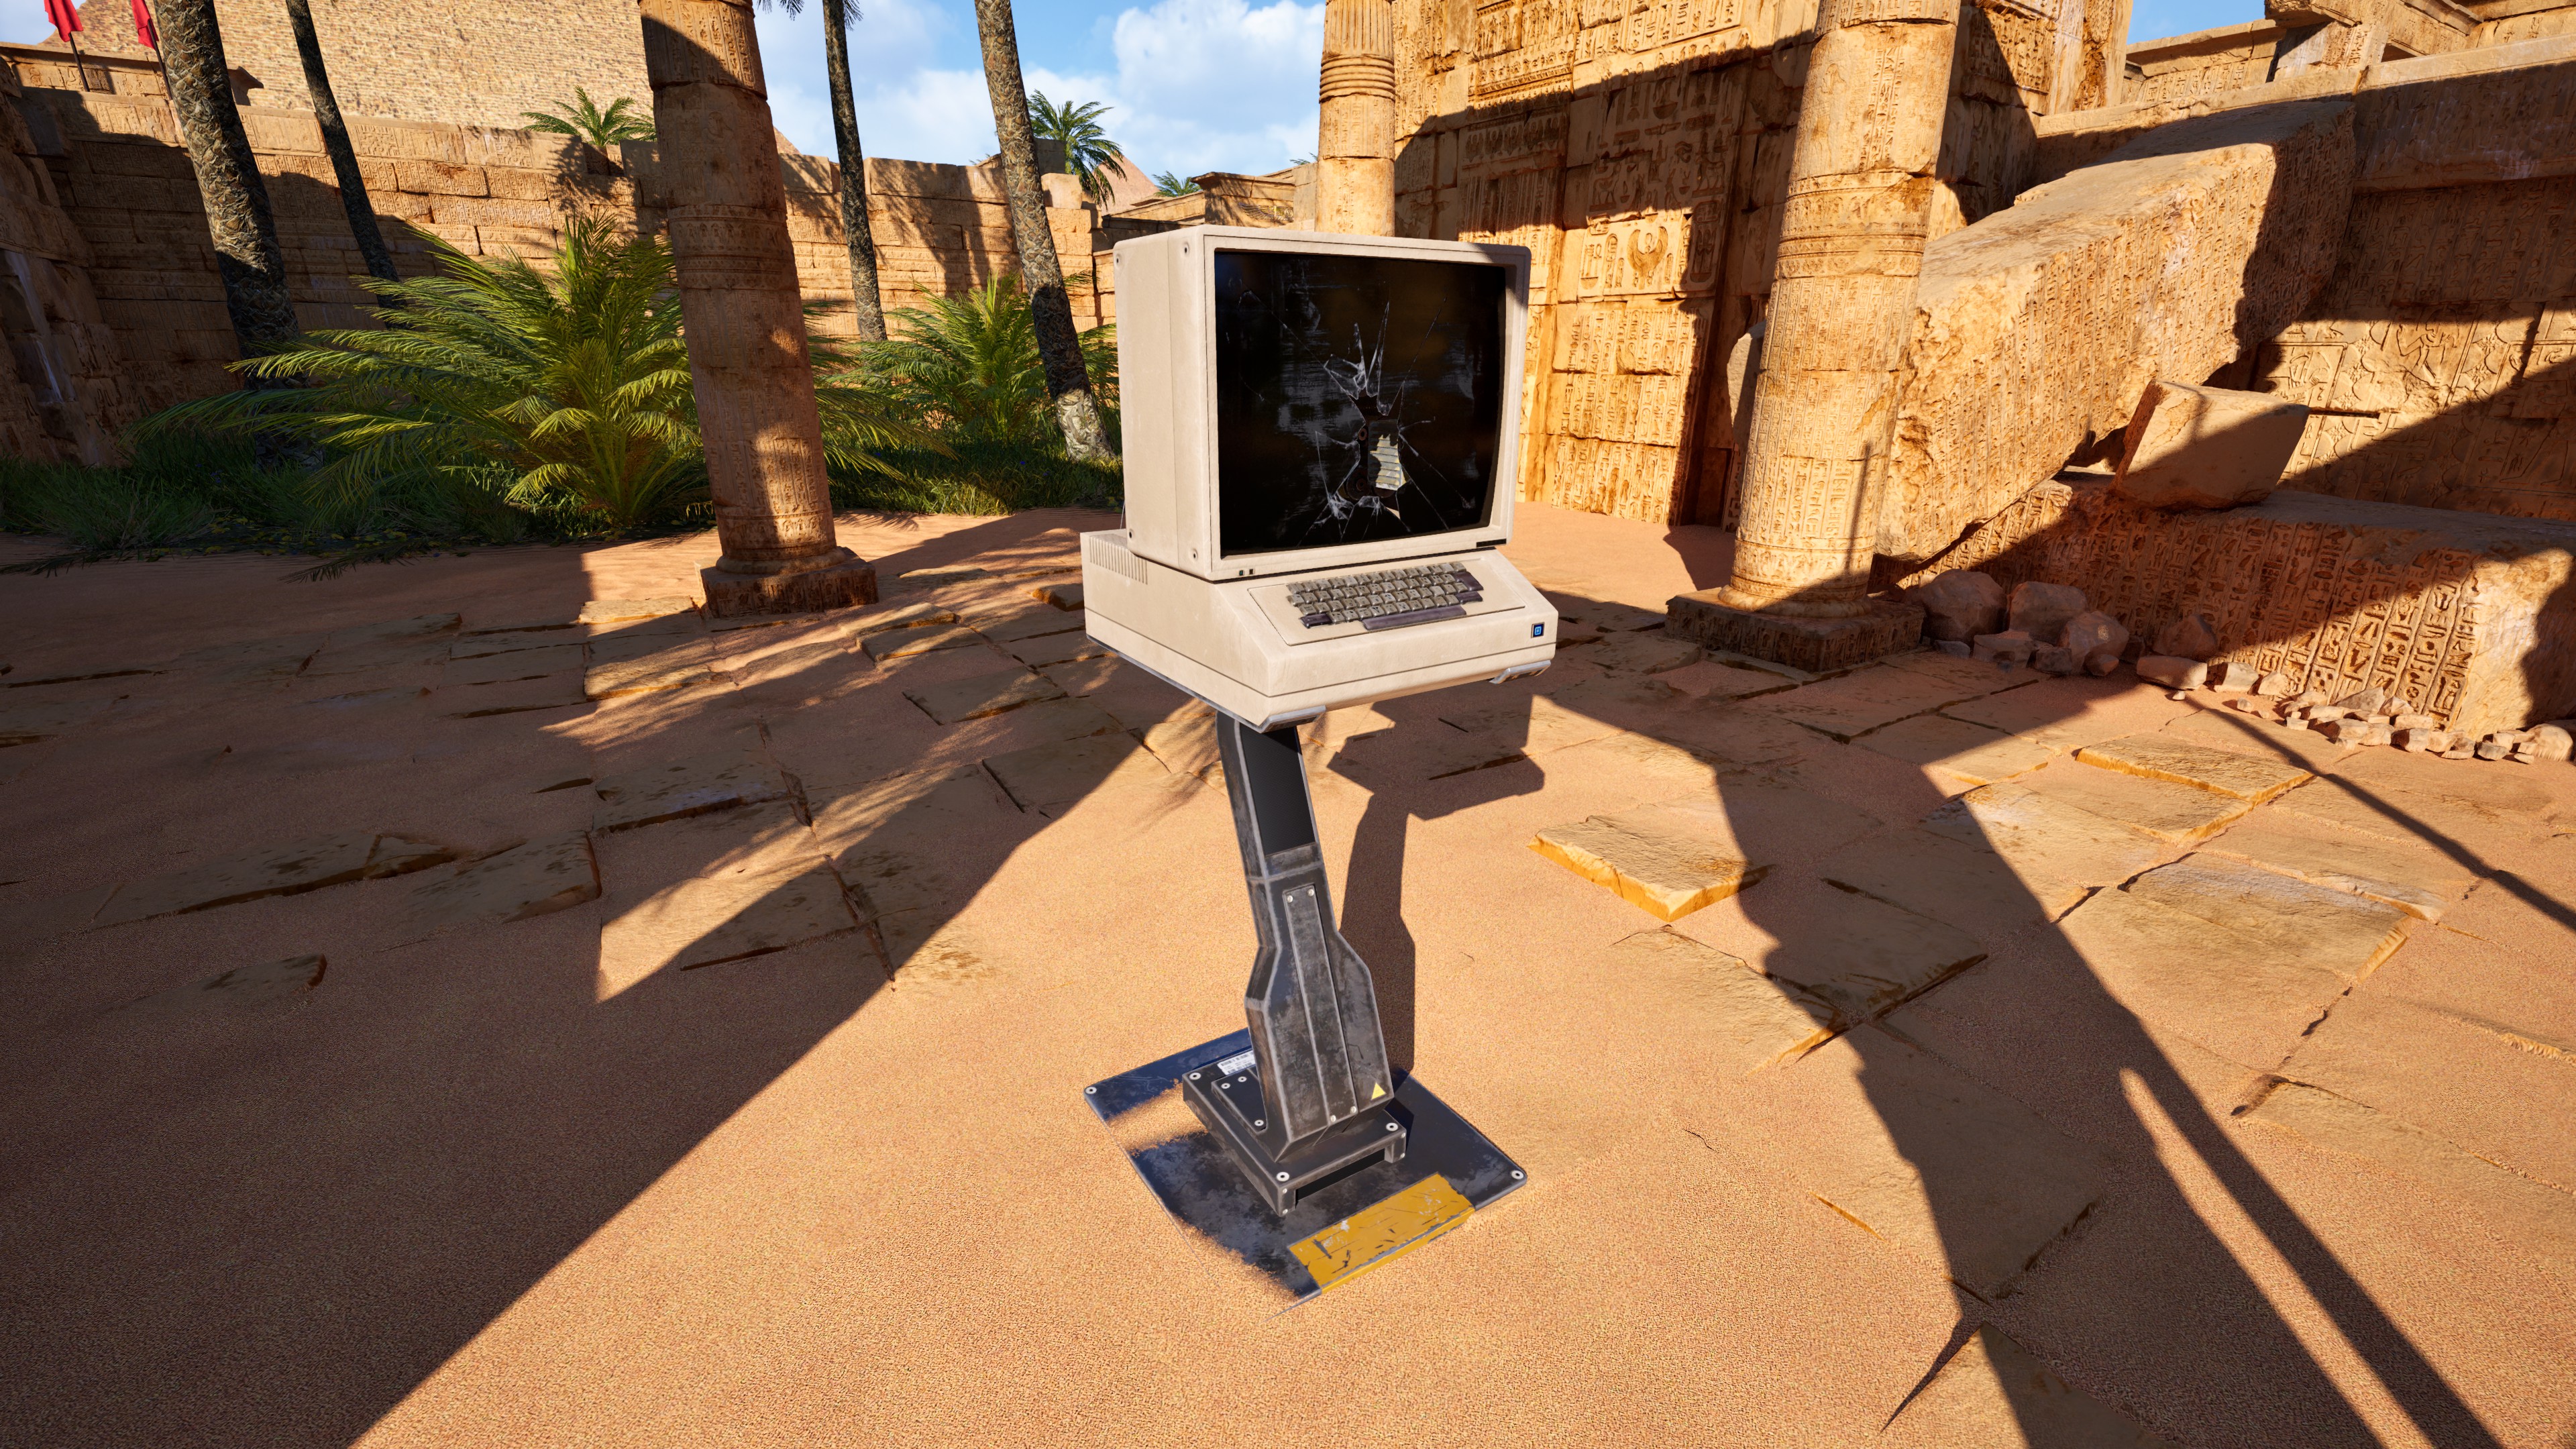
1193	85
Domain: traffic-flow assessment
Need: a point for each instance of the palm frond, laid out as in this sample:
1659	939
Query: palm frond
624	120
1088	152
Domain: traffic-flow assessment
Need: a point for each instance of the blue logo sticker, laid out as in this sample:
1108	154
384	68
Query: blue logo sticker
1538	630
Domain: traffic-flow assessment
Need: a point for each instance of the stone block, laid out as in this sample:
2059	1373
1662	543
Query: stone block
960	700
525	881
622	611
904	614
1664	862
2174	813
2232	677
2193	636
1971	752
1067	770
2172	671
2162	757
1959	605
1864	700
2278	684
725	916
1063	596
1993	1392
269	985
504	666
718	780
1643	653
1739	1019
904	643
2042	611
2057	849
848	584
1817	645
2267	912
1057	649
306	865
2206	447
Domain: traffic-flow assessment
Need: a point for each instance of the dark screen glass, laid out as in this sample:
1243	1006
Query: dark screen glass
1357	398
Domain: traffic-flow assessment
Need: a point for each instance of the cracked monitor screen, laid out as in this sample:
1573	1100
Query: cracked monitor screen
1357	398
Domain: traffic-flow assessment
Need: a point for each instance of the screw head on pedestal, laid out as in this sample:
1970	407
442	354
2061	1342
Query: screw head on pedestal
1283	1177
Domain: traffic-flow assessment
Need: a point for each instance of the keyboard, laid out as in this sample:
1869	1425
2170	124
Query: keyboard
1388	600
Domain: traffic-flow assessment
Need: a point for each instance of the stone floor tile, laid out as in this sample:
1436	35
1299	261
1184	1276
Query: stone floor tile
2419	881
2242	1000
2225	772
901	643
718	780
2265	912
1137	700
499	668
1858	957
1063	772
23	722
1046	722
1985	676
2458	797
1956	883
1995	1394
724	916
621	647
918	809
368	658
2179	814
1083	676
1919	1153
1667	863
1185	743
901	614
1789	672
2387	814
937	575
285	870
985	694
1494	734
624	611
391	631
1029	623
553	691
510	641
683	667
1645	759
1061	595
2244	734
2059	851
538	878
1970	753
1643	653
811	667
1741	1019
1863	700
2066	713
269	986
2486	1082
1716	679
1056	649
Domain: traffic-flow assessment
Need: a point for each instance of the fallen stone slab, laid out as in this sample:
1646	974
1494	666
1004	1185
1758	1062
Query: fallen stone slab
960	700
2058	850
718	780
1993	1392
1668	863
1741	1019
624	611
1062	596
286	870
729	916
1028	624
537	878
271	984
927	639
1056	649
2421	882
1863	700
2180	814
1065	771
2163	757
1972	752
1914	1150
2262	911
2178	973
1643	653
2206	447
2533	1216
511	665
1968	887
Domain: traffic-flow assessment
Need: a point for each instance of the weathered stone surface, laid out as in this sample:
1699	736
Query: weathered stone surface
2178	814
2180	973
620	611
499	668
725	916
1741	1019
937	574
2056	848
2163	757
2265	912
1973	753
285	870
1817	645
1865	957
2010	648
1715	679
2193	636
2043	611
1185	743
718	780
476	644
907	614
244	988
1604	615
1981	675
2206	447
2232	677
24	723
1063	772
392	631
1995	1394
553	691
1956	883
675	668
2093	635
1864	700
1643	653
960	700
2172	671
2449	797
2071	300
657	643
1057	649
848	584
1667	863
1063	596
1959	604
903	643
525	881
1028	623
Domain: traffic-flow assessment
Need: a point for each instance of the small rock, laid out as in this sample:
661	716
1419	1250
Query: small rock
2490	750
1064	596
2093	635
1958	647
2179	694
2523	754
2012	646
2305	698
2397	704
2100	665
2421	741
2233	677
2295	723
2320	713
2554	741
2346	731
2248	704
2056	659
2460	750
2364	701
2509	737
1960	605
2275	685
2172	671
2044	610
2193	636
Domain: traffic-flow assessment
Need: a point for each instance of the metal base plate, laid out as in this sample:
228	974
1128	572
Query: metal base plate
1227	1099
1340	1229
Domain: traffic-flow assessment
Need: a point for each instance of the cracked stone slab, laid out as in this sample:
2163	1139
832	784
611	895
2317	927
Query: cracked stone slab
1860	958
960	700
2178	814
553	691
1057	649
1741	1019
927	639
2257	910
1641	756
1956	883
268	985
2476	1082
725	916
625	611
2244	734
909	614
285	870
537	878
406	654
1995	1394
1666	862
1918	1153
2423	883
2535	1216
511	665
718	780
1643	653
1029	624
1972	752
2162	757
2057	850
474	645
1985	676
1863	700
1067	770
2179	973
1498	734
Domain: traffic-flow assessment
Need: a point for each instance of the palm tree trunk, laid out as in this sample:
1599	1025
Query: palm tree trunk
237	215
1076	409
864	299
335	141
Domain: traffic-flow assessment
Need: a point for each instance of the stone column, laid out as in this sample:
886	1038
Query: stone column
1861	183
1355	153
744	317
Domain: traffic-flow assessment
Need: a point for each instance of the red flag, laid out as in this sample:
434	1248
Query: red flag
143	26
65	17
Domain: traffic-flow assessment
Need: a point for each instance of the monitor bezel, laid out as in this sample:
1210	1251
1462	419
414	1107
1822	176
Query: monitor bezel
1497	528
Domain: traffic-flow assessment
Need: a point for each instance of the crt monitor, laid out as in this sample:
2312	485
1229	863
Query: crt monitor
1297	401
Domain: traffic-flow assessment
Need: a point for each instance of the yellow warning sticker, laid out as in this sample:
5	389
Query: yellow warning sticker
1383	1231
1377	1091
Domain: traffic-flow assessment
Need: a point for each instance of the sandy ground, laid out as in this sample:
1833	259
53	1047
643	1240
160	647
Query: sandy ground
533	1182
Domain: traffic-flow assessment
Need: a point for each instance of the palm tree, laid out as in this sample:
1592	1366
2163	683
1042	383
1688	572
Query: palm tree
1052	315
970	365
1167	184
238	218
335	141
864	299
1088	151
622	121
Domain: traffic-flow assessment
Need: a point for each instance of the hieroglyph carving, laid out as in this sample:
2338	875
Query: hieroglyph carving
1524	46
